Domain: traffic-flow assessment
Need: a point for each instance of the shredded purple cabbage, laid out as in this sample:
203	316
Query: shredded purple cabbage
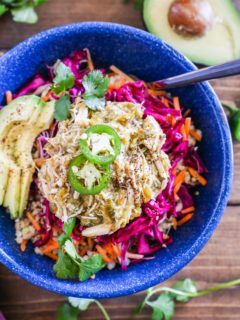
142	235
35	83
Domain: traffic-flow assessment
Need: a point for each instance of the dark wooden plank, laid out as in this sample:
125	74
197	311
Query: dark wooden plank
57	12
217	262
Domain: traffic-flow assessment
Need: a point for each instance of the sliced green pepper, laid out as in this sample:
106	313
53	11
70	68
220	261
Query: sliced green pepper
111	136
88	178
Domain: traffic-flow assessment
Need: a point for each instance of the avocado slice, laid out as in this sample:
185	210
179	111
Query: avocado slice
23	153
18	136
221	43
20	109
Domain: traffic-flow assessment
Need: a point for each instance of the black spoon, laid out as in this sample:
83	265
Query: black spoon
228	69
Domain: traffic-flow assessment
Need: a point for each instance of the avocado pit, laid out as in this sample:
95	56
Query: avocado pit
191	18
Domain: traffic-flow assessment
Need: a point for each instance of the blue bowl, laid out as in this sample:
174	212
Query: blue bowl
139	53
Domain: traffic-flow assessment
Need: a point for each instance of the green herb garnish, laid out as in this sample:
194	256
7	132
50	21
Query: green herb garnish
64	78
22	11
67	312
65	268
67	229
162	306
95	85
91	266
234	118
70	265
62	108
137	4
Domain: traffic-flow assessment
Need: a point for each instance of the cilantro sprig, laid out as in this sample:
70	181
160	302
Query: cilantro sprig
63	81
69	264
22	11
181	291
163	306
71	309
95	85
64	78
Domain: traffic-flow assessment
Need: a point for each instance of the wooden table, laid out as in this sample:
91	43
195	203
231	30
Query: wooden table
218	261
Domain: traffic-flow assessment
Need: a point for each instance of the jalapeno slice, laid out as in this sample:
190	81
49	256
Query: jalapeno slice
86	177
100	144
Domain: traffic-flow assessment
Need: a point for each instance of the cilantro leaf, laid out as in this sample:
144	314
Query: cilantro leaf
138	308
25	14
95	103
91	266
80	303
95	85
68	229
65	267
3	9
186	285
71	251
163	307
64	78
66	311
62	108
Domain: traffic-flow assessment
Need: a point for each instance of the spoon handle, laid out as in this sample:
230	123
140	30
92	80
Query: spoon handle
215	72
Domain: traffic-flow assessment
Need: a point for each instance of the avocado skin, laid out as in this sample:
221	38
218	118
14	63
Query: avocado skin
199	61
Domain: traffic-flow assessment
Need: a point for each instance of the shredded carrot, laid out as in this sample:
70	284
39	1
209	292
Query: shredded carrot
122	81
47	96
33	221
184	219
166	102
89	60
180	177
9	96
117	250
187	126
176	103
57	229
196	135
82	241
173	121
111	252
51	255
50	247
174	170
39	162
177	187
89	241
157	93
186	113
183	132
197	176
174	223
121	73
103	253
23	245
188	210
83	251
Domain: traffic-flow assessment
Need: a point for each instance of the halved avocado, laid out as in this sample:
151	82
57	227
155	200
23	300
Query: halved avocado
221	43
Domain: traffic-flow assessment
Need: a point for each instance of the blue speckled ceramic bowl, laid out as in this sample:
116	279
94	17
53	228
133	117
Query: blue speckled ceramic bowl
139	53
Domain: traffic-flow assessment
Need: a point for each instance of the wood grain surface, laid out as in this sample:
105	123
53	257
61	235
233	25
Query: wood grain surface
218	261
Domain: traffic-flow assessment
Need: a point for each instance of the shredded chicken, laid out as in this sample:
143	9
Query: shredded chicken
138	174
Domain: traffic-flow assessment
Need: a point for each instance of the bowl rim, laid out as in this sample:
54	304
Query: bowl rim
59	286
